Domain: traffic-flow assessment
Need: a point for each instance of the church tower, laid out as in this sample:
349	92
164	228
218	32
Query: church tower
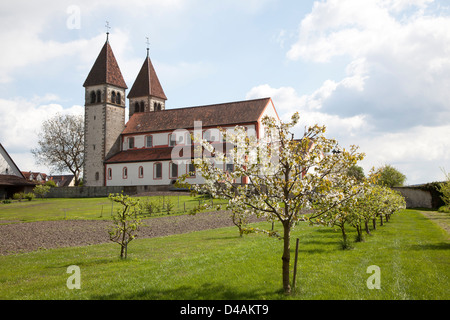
104	115
146	94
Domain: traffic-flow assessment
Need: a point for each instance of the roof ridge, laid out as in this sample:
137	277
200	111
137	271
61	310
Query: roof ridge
213	105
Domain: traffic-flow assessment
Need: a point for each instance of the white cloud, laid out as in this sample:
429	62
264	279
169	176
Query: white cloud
21	121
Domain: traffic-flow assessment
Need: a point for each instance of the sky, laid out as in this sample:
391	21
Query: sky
376	73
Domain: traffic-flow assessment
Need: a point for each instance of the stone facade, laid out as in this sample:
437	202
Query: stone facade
104	122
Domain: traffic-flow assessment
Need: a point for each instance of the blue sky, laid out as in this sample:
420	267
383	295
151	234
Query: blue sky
375	72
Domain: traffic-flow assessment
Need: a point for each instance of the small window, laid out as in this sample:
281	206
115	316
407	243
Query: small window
149	141
125	173
173	170
136	107
157	170
230	167
141	172
113	97
93	97
118	98
99	96
130	142
142	106
172	140
97	176
109	173
191	170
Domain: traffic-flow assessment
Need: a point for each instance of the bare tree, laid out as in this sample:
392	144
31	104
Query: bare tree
61	144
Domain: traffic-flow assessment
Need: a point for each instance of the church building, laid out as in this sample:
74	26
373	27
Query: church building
152	147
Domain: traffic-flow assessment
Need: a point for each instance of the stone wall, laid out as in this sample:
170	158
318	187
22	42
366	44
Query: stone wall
416	198
96	192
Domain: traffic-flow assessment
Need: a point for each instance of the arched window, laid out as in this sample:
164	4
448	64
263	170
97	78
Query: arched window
99	96
93	97
97	176
113	97
136	107
109	173
125	173
142	106
141	172
118	100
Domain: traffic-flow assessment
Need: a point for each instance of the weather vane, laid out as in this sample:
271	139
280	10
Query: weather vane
107	29
148	45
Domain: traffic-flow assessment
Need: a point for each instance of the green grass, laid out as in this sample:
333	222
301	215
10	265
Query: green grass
411	251
85	208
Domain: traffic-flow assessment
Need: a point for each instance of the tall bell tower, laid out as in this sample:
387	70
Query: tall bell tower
104	115
146	93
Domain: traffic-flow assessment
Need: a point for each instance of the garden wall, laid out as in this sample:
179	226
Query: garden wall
95	192
416	198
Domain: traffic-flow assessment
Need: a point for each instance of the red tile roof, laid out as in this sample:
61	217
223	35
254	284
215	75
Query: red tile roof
225	114
155	154
105	70
147	83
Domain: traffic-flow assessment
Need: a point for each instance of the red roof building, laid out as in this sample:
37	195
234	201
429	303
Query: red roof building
155	146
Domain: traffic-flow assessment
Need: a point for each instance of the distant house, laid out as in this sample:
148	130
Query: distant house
63	180
11	178
38	177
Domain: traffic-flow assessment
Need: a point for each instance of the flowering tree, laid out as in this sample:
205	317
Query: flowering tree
278	177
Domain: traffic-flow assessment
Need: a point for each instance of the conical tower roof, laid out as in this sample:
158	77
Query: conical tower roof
147	83
105	70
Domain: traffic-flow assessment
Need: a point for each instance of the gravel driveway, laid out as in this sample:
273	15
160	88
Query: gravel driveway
31	236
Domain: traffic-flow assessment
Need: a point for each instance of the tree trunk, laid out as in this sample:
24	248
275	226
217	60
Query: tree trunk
367	227
374	220
381	219
286	257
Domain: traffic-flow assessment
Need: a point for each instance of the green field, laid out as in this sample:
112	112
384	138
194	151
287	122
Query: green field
411	251
87	208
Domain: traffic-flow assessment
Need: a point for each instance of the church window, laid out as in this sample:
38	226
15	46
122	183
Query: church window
93	99
173	170
191	170
157	170
229	167
99	96
97	176
118	98
141	172
172	140
149	142
109	173
130	142
142	106
113	97
125	173
136	107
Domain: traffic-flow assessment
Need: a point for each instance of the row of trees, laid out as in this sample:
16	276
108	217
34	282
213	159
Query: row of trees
290	181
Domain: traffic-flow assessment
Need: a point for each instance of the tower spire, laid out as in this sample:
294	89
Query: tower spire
148	46
107	30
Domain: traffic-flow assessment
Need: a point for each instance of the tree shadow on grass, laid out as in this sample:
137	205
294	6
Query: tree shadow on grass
431	246
206	292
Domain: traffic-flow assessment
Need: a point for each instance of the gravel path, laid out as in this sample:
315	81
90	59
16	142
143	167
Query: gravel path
31	236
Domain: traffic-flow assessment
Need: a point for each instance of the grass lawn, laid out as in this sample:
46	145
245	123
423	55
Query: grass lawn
85	208
411	251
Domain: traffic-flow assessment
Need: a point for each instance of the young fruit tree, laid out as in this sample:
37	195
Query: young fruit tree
126	222
276	177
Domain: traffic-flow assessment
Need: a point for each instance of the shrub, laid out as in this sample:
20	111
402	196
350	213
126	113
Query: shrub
30	196
18	196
